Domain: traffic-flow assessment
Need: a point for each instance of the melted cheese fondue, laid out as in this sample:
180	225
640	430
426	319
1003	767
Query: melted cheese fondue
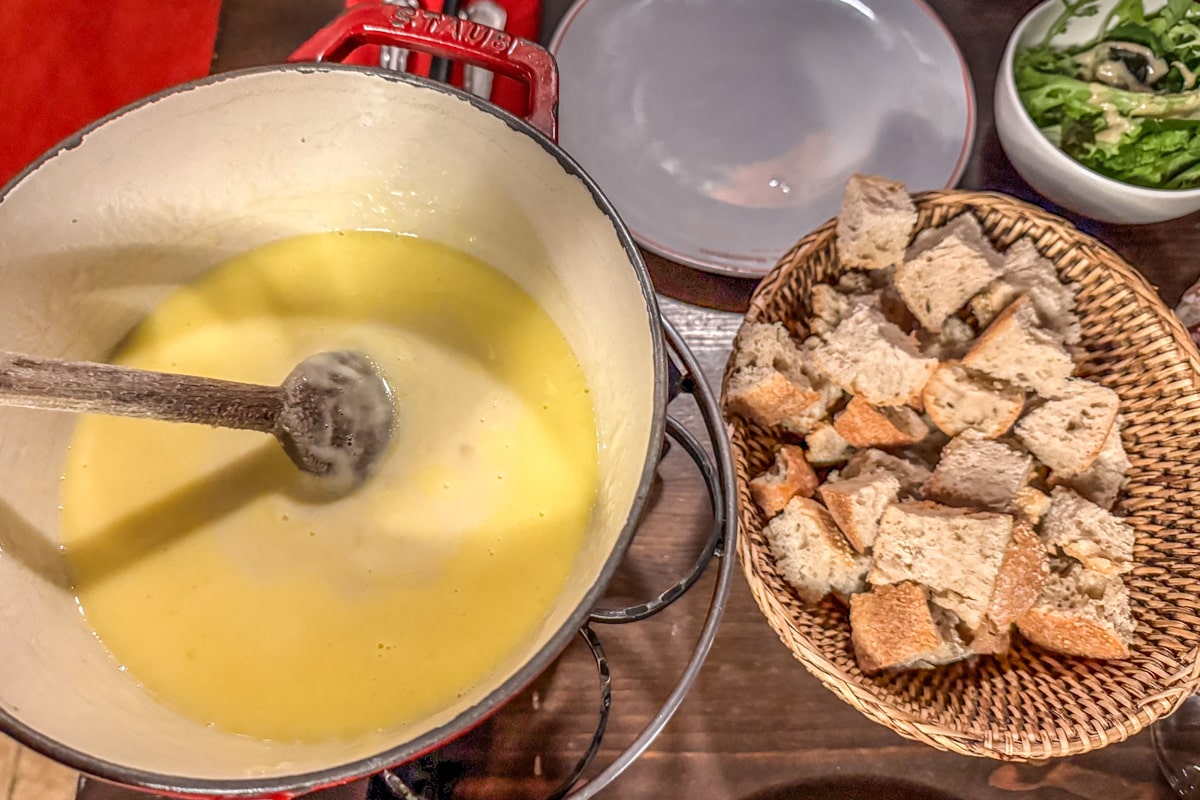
244	602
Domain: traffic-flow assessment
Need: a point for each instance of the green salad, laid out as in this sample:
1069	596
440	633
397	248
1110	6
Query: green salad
1127	103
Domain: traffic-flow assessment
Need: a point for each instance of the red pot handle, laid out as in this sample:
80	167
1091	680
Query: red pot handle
448	37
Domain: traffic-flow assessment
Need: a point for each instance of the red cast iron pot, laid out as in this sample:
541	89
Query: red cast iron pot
108	223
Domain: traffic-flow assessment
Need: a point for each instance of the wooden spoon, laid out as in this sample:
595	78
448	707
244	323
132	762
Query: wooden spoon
333	413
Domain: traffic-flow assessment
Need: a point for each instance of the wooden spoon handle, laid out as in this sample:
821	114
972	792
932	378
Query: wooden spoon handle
35	382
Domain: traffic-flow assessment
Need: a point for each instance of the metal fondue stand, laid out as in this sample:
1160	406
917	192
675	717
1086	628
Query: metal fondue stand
432	776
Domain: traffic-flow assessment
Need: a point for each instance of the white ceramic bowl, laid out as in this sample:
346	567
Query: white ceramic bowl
1057	176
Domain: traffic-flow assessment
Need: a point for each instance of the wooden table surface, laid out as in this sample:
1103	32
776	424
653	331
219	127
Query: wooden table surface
756	723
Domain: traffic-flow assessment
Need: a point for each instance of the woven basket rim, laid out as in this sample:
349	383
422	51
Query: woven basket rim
1175	687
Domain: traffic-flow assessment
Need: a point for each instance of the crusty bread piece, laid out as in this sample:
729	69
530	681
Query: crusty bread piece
991	300
938	279
1015	350
831	393
965	226
1086	532
856	504
912	476
1027	272
826	446
769	397
869	357
1021	577
876	221
955	552
952	343
811	553
1068	434
772	383
977	472
767	344
989	640
864	425
790	475
768	384
894	627
1080	613
830	307
957	400
1030	505
1103	481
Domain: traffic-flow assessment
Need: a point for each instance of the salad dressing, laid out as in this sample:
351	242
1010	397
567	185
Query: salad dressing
1189	77
1101	63
244	602
1115	124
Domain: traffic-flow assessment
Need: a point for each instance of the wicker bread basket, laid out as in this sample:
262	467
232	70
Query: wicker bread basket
1030	703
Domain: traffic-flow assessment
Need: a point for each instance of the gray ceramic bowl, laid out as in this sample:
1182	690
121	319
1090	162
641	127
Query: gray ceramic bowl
722	133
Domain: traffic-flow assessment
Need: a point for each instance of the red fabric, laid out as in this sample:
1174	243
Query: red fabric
66	63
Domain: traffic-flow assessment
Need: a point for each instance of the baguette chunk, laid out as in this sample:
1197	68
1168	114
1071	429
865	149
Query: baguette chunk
856	504
1068	434
1103	481
958	400
864	425
826	446
894	627
1022	575
811	553
1086	532
876	221
1080	613
790	475
772	383
955	552
979	473
871	358
1014	349
939	278
1027	272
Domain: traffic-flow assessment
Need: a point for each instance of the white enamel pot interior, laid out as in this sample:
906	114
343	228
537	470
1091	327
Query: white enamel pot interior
97	233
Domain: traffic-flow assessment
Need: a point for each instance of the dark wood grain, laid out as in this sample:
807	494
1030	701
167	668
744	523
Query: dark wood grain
756	724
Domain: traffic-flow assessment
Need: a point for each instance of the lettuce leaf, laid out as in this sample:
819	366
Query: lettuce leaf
1050	97
1155	153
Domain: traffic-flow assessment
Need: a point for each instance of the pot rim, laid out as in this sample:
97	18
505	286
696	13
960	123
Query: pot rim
292	785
